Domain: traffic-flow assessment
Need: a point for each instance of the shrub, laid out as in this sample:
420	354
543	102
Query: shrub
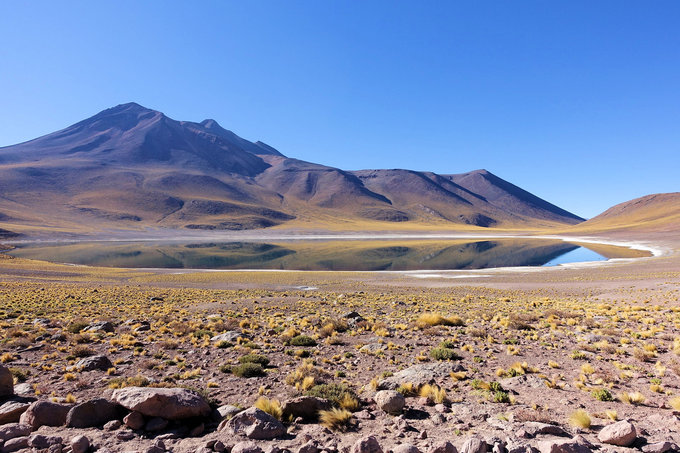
433	393
444	354
254	358
580	419
335	419
302	340
272	407
248	370
335	393
76	326
435	319
602	395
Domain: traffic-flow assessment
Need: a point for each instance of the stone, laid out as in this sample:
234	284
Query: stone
474	445
15	444
169	403
156	424
390	401
309	447
56	448
112	425
256	424
95	362
80	444
660	447
93	413
219	446
11	411
367	444
622	434
6	381
535	428
246	447
574	445
101	326
12	430
203	450
372	348
197	430
228	411
442	447
24	389
307	407
42	442
405	448
424	373
45	413
230	336
134	420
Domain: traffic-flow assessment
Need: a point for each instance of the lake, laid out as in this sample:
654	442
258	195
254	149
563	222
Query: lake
326	255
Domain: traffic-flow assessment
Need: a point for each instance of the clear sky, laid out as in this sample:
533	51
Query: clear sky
576	101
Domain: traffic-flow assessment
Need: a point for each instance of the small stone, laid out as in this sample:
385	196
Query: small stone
156	424
442	408
256	424
12	430
309	447
134	420
125	435
442	447
80	444
15	444
95	362
574	445
621	433
366	445
246	447
474	445
154	449
203	450
113	425
11	411
405	448
390	401
219	446
101	326
660	447
307	407
227	411
42	442
535	428
6	381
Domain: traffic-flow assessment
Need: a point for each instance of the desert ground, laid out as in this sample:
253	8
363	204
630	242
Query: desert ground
567	359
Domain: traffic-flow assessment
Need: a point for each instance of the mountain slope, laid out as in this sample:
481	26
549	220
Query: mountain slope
129	167
654	213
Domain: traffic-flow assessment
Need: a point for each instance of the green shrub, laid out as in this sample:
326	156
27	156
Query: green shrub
248	370
333	392
444	354
254	358
602	395
302	340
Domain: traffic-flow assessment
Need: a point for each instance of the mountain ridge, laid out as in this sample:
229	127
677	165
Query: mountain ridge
132	167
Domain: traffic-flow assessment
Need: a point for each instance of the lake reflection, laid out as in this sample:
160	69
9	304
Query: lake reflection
336	255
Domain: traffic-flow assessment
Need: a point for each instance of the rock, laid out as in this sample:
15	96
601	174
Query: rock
621	433
169	403
41	442
12	430
515	447
134	420
197	430
100	327
442	447
227	411
112	425
353	318
574	445
309	447
390	401
307	407
203	450
6	381
474	445
95	362
11	411
93	413
80	444
56	448
372	348
366	445
424	373
256	424
535	428
405	448
230	336
42	322
246	447
125	435
45	413
154	449
15	444
219	446
24	389
523	382
156	424
660	447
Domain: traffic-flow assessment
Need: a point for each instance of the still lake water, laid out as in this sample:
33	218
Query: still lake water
326	255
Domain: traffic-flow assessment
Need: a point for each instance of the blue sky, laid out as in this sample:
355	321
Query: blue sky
575	101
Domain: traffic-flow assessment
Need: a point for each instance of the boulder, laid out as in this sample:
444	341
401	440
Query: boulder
424	373
256	424
93	413
41	442
169	403
95	362
366	445
474	445
390	401
15	444
442	447
307	407
45	413
622	434
6	381
134	420
100	327
12	430
11	411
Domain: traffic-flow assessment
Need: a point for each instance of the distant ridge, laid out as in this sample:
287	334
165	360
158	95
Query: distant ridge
132	167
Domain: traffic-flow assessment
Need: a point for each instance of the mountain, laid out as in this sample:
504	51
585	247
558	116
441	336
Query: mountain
652	213
129	167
